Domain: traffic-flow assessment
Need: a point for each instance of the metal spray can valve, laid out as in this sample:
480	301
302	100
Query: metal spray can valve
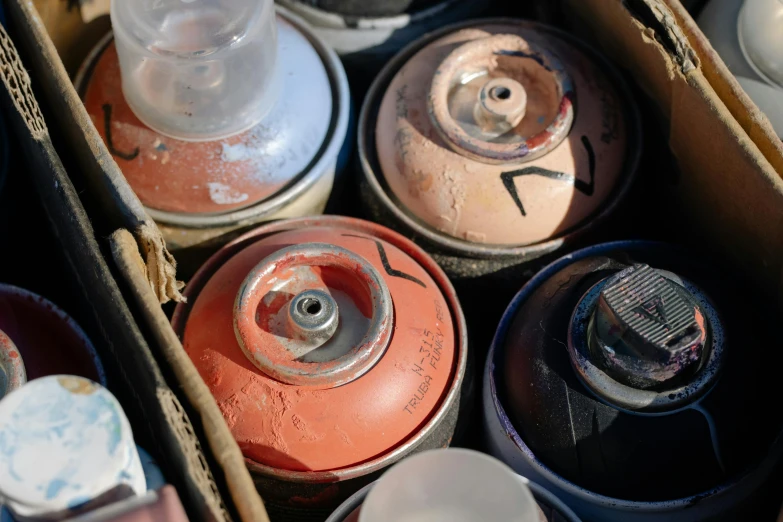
306	331
645	329
642	340
496	68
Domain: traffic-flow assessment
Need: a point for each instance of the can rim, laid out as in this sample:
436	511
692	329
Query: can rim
300	184
15	291
371	171
202	276
743	484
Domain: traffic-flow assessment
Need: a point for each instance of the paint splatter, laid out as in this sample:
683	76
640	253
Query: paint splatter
225	195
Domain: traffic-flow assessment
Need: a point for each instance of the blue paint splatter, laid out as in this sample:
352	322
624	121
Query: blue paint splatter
54	488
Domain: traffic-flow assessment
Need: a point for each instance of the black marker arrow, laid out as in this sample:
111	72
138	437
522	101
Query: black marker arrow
107	111
385	262
582	186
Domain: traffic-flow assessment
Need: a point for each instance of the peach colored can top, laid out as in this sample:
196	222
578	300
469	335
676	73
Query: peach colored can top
501	134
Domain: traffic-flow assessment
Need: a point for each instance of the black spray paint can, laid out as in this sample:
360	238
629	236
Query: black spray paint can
633	381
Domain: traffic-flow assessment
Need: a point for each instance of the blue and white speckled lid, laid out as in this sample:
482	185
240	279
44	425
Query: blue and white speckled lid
64	441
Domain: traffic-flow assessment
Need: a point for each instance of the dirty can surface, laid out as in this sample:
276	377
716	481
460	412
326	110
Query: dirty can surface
334	347
496	142
283	167
625	379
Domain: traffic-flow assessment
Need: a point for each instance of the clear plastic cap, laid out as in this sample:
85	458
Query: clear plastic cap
449	485
760	31
197	69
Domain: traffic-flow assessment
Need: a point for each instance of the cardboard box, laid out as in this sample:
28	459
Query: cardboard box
727	194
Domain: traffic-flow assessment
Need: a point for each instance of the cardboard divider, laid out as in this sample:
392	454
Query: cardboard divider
154	410
222	444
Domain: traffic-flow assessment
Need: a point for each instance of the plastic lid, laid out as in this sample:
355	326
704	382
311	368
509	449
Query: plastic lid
760	30
197	69
450	485
64	441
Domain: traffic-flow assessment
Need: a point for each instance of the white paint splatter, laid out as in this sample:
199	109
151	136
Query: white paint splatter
241	152
224	195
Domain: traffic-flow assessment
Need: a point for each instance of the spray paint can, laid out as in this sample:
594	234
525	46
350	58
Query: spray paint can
334	347
67	447
550	508
38	339
626	379
199	187
367	34
496	142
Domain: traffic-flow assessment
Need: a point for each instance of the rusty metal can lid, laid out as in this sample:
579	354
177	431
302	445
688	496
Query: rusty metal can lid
219	176
503	134
324	347
12	371
65	441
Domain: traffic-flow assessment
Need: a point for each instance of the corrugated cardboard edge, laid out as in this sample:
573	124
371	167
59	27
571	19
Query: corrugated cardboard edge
119	202
725	85
167	420
224	447
728	188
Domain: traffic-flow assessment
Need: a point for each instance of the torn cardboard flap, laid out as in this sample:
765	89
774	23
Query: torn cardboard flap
728	188
119	203
221	441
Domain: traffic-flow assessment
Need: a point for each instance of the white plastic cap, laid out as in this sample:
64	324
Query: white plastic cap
197	69
449	485
64	441
760	31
